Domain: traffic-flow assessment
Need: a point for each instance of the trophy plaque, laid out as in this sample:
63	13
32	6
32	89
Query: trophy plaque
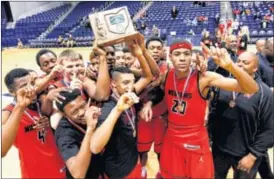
112	26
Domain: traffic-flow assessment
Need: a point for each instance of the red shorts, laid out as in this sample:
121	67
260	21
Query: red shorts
191	159
149	132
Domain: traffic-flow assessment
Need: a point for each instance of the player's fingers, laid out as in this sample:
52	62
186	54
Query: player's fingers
205	48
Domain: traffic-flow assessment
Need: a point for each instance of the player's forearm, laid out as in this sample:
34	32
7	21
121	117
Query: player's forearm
42	83
102	134
80	164
10	129
46	106
246	82
103	81
136	72
145	67
152	64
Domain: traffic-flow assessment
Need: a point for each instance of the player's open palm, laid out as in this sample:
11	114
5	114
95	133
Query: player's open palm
219	56
25	96
126	101
91	116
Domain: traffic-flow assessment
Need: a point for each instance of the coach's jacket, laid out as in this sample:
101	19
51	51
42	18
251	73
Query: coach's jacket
255	119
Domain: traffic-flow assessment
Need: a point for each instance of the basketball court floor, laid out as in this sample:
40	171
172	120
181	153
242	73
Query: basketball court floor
25	58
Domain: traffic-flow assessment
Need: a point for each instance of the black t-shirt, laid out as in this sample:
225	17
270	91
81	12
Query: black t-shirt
68	140
120	154
246	127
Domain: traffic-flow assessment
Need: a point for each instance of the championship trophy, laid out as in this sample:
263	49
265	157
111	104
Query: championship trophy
112	26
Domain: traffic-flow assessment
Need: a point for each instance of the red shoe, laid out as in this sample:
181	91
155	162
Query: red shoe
158	176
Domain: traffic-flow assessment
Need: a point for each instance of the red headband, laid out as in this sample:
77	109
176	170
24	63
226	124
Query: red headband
180	45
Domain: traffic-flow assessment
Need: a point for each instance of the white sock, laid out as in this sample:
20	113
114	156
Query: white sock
144	171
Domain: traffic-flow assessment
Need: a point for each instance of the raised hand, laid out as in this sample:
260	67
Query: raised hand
76	83
91	72
56	71
126	101
91	116
220	56
134	47
25	96
141	41
201	63
97	50
54	94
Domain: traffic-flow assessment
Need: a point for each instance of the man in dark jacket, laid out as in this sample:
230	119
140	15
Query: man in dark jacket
242	127
266	63
266	56
231	46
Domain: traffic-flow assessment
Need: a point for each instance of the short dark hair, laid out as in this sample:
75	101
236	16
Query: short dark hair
123	70
126	50
197	51
15	73
42	52
69	96
154	38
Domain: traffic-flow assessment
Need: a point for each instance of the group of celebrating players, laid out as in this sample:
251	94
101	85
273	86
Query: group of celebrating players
100	120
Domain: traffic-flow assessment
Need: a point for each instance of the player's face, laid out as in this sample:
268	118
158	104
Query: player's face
120	59
94	64
260	46
181	59
129	59
247	63
21	83
71	67
124	83
155	48
268	48
165	53
47	61
233	43
76	109
110	54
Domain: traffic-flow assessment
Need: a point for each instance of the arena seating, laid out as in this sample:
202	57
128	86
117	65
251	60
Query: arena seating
32	26
254	25
160	15
72	24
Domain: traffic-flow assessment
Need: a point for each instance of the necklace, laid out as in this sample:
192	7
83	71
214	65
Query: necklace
131	119
76	126
180	107
232	103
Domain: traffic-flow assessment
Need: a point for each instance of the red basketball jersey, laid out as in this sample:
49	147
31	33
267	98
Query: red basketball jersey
38	153
159	108
192	105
